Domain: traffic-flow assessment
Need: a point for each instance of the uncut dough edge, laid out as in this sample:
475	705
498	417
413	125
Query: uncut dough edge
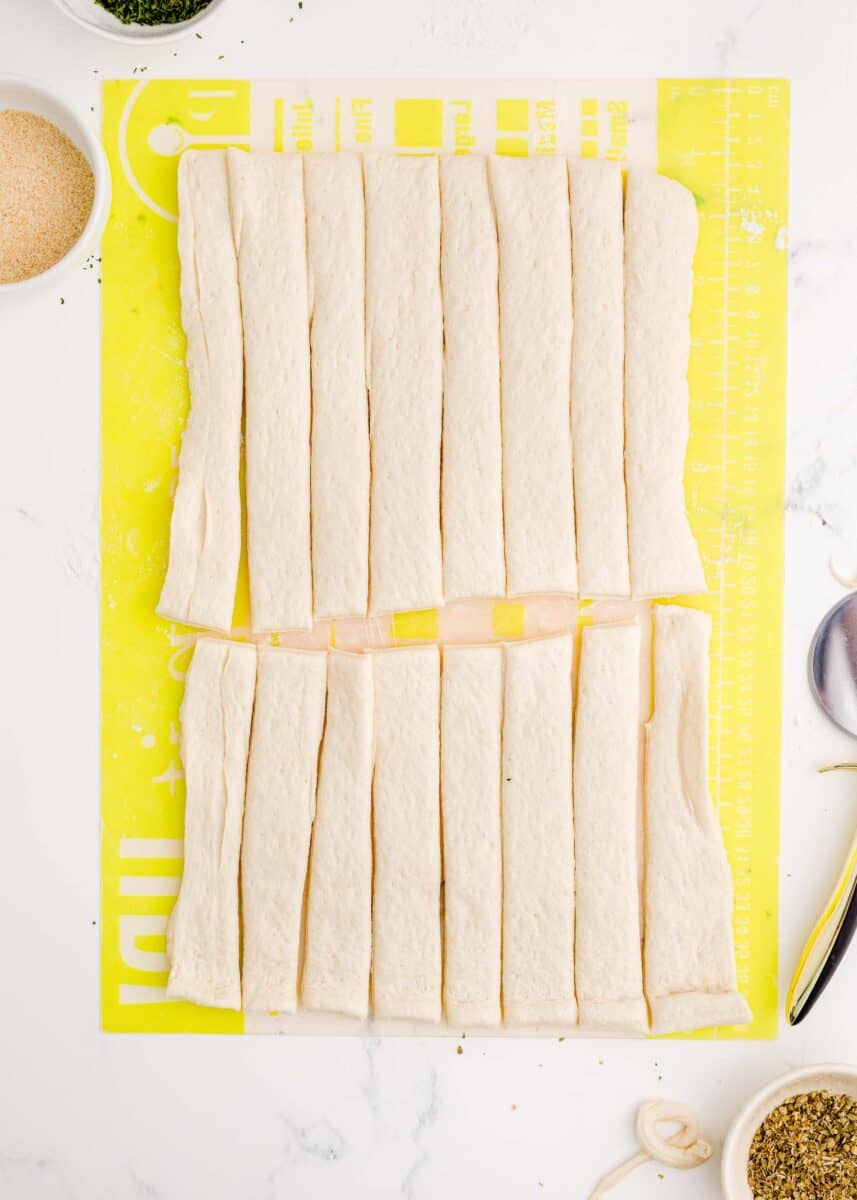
339	899
215	719
689	955
538	834
407	954
339	465
280	807
608	940
266	191
472	476
597	383
534	235
404	368
471	736
661	228
205	526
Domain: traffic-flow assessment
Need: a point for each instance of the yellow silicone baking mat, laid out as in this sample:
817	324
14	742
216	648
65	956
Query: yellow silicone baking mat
727	140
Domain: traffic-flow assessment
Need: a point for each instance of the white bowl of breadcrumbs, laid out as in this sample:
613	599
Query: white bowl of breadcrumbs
54	186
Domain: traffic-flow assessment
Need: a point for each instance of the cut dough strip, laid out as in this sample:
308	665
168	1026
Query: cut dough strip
689	955
531	201
660	240
340	407
597	361
268	221
281	785
472	477
608	960
404	339
205	529
202	940
407	965
538	838
339	905
471	723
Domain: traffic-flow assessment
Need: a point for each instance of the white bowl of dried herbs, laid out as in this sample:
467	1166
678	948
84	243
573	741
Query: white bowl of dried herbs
141	21
796	1138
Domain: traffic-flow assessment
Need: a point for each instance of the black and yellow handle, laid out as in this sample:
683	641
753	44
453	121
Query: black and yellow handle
827	943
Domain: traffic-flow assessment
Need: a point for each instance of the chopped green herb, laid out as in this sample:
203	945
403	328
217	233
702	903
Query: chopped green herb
154	12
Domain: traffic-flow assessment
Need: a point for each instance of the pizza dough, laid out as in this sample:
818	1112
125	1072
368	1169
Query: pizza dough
404	349
608	958
689	955
340	408
268	221
538	839
407	961
471	723
472	476
281	782
597	389
202	935
339	904
205	530
531	202
660	240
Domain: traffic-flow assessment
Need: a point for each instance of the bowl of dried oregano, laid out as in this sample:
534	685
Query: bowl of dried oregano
796	1139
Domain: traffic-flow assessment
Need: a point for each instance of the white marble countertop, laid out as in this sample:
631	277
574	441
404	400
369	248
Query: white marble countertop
85	1116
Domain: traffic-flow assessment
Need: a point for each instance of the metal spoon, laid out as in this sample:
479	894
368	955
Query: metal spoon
833	681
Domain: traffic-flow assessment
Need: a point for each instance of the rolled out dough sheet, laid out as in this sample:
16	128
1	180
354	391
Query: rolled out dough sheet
404	360
336	252
471	727
205	529
690	975
203	937
268	219
407	961
339	905
608	955
281	785
538	838
534	229
660	242
597	386
472	475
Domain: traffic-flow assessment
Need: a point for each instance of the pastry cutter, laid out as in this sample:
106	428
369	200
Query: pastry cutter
833	680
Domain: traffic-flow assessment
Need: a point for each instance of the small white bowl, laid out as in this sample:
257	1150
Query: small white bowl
830	1077
34	97
96	19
